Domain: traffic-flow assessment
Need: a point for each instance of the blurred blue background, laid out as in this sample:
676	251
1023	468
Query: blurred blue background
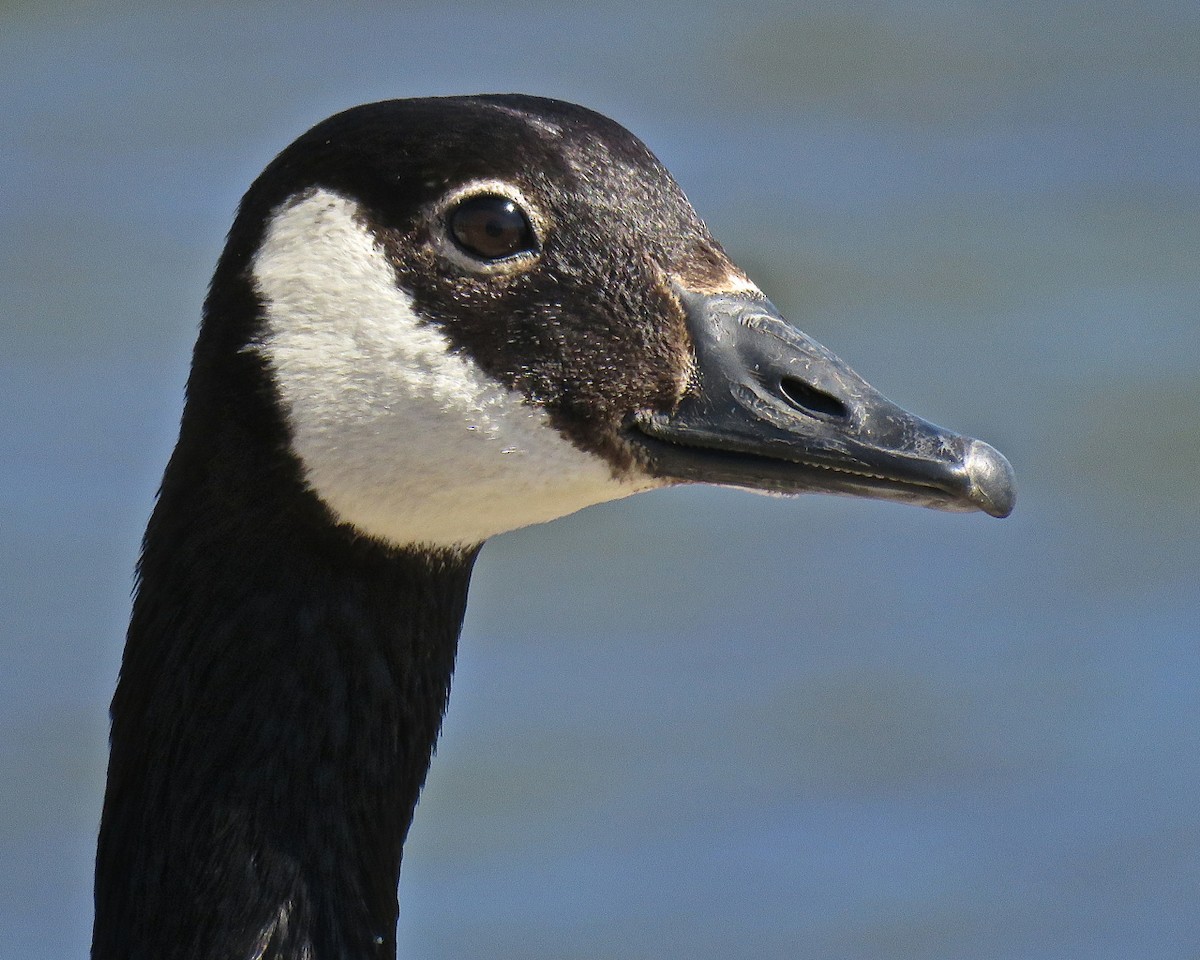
698	723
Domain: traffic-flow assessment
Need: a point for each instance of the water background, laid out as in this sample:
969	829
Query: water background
699	723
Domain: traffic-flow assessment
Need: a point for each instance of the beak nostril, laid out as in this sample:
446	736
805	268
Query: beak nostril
810	400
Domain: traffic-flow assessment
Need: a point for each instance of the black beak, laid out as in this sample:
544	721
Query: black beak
774	411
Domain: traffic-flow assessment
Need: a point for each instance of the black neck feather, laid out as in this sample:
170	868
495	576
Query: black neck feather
280	696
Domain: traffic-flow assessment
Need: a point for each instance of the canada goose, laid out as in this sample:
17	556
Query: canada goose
434	321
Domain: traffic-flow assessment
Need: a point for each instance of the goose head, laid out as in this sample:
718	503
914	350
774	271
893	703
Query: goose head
433	321
481	313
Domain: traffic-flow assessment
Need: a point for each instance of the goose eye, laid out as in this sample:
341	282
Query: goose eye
491	227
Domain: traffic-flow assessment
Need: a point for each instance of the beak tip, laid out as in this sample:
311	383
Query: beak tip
993	486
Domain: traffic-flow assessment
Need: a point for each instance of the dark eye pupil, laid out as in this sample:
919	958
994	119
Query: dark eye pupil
491	227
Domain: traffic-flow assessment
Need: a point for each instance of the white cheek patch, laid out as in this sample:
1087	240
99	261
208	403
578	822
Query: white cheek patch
398	435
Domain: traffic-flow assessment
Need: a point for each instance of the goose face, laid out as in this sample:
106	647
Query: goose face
482	313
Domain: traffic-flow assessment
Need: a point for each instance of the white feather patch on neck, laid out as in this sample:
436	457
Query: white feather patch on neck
399	435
